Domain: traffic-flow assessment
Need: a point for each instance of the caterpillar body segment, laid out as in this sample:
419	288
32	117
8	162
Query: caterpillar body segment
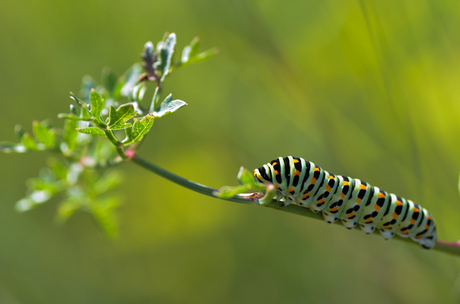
350	200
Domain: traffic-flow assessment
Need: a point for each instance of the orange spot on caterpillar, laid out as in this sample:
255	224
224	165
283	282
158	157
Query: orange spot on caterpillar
291	189
306	195
358	200
346	183
381	195
376	207
362	187
369	220
277	186
395	216
276	172
334	209
351	215
313	180
399	203
296	172
295	161
316	169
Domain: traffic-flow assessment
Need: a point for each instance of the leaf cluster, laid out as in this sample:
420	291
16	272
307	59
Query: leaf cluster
105	125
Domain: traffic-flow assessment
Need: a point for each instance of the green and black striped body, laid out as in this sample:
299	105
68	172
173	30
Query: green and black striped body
349	199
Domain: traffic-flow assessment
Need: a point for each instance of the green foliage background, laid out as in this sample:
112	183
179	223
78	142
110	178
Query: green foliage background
362	88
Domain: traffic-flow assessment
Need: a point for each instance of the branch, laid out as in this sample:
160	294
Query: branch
446	247
185	182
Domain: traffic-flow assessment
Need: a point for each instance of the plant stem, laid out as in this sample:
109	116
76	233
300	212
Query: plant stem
183	181
446	247
118	145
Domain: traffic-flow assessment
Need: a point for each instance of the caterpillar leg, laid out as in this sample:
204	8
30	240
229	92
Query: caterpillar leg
286	200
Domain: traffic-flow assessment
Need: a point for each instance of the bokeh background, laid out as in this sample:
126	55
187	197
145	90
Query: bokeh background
364	88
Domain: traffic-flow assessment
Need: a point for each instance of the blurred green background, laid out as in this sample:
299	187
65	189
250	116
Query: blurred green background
367	89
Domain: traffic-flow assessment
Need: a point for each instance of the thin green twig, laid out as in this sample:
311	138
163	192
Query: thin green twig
183	181
446	247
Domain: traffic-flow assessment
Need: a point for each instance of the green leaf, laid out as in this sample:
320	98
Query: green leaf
7	147
190	53
185	55
76	99
73	173
41	183
92	131
67	208
155	99
97	105
35	198
194	47
44	134
248	184
102	150
169	106
68	116
103	212
40	196
28	142
245	177
166	51
73	115
139	91
25	204
205	55
131	76
107	182
85	113
139	129
73	110
70	134
119	117
229	191
148	55
58	167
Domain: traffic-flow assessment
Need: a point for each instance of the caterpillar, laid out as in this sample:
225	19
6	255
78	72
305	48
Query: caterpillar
351	200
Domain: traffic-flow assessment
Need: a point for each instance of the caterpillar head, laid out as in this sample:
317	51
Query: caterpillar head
261	176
